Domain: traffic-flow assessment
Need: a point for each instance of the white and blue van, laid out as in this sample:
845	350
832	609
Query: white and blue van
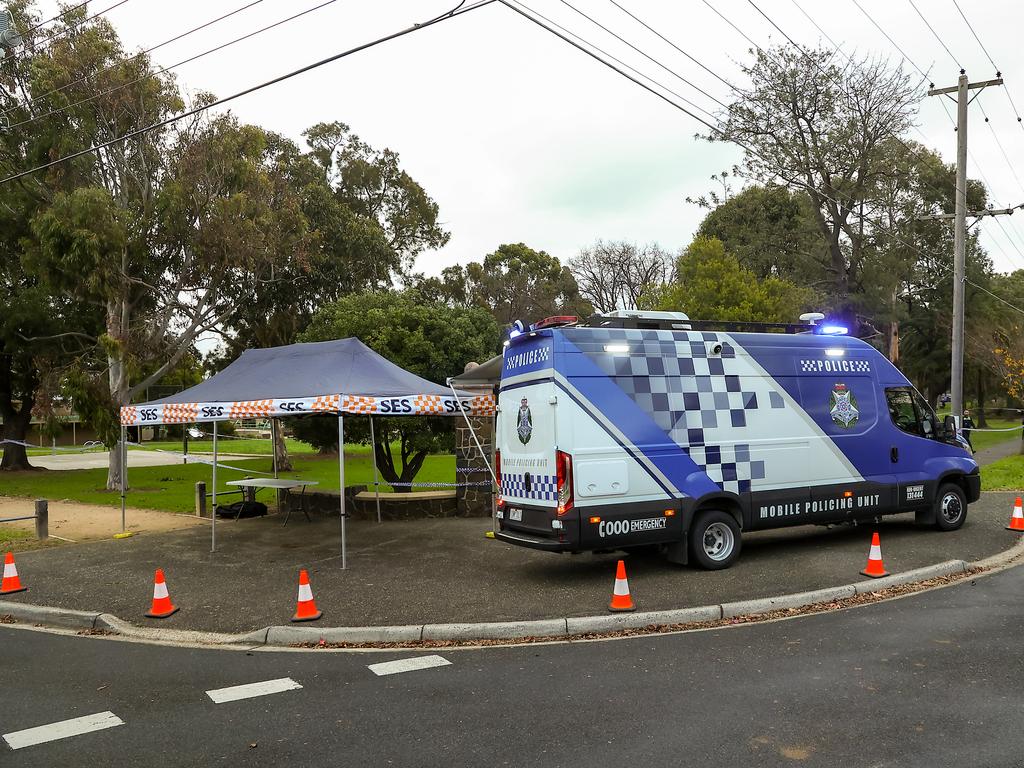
631	431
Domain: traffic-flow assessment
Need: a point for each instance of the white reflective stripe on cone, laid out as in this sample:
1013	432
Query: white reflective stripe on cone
10	571
159	590
621	587
875	553
305	593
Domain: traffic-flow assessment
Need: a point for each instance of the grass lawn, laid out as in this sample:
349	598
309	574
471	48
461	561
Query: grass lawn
1004	475
172	489
12	540
224	444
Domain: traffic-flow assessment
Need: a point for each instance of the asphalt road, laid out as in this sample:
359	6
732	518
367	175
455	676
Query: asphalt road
930	680
444	570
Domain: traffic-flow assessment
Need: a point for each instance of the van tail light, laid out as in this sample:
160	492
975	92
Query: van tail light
499	501
563	467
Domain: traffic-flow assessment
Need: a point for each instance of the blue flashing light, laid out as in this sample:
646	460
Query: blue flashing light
833	330
517	329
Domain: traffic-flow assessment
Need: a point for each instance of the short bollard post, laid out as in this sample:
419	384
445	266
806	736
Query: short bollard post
42	519
200	499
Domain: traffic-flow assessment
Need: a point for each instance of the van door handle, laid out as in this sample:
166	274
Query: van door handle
894	454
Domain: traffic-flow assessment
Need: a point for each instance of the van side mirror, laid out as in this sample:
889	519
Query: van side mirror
949	427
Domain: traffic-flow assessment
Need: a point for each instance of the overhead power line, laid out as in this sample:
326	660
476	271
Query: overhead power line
646	55
983	48
161	70
935	34
60	15
152	48
458	10
696	61
618	61
46	42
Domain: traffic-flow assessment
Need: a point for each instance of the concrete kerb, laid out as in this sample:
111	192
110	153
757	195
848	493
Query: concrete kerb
290	635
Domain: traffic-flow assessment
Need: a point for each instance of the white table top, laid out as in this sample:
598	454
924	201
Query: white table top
271	482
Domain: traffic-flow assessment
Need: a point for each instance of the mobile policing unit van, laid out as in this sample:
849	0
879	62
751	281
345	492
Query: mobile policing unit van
639	429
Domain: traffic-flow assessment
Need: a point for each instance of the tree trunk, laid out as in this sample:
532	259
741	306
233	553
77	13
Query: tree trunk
16	426
284	464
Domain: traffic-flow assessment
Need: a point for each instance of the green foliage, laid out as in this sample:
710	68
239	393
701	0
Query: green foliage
711	285
770	230
515	282
430	339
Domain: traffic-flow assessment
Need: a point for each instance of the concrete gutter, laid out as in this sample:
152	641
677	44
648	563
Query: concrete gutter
547	629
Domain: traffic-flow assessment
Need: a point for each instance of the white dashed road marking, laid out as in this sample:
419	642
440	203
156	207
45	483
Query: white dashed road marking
408	665
249	690
62	730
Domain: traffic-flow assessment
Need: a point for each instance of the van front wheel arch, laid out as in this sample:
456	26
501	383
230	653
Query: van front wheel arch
714	540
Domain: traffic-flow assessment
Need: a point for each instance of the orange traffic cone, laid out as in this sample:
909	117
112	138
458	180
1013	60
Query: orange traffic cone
11	583
1017	519
305	609
875	569
621	600
162	607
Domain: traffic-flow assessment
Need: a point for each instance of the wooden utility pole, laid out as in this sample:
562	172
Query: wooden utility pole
962	90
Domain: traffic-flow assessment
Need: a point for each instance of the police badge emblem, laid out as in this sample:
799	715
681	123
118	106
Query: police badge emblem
843	406
525	425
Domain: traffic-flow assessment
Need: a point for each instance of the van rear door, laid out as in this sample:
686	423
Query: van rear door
526	444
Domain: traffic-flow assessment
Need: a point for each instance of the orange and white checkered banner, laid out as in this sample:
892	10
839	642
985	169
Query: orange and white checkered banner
403	405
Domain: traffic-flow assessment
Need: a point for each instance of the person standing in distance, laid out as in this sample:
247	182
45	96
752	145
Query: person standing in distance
967	425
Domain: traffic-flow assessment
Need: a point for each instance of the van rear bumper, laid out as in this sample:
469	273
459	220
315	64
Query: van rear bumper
535	542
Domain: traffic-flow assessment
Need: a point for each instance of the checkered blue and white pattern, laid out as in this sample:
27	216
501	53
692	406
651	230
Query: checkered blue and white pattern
702	402
543	487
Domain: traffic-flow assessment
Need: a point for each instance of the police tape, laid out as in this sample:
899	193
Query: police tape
993	429
89	445
436	485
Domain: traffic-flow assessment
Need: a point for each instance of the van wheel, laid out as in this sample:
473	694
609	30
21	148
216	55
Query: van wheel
950	507
714	540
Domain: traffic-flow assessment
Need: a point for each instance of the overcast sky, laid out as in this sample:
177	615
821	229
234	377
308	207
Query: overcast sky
519	137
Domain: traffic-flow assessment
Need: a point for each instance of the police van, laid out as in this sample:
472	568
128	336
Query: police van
636	429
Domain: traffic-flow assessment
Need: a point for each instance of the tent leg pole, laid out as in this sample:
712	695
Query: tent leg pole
341	483
490	465
273	452
213	519
124	473
376	480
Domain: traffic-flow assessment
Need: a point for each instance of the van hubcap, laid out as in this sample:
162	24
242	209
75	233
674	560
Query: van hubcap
718	541
951	508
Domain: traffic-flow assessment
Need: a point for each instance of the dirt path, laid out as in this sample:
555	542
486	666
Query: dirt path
82	522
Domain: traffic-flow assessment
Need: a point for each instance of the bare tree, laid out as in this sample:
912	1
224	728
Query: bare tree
614	275
826	130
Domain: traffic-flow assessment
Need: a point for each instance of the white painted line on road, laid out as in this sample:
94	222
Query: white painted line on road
249	690
408	665
62	730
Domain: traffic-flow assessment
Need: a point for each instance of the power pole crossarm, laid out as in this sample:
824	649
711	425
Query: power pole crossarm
972	214
970	86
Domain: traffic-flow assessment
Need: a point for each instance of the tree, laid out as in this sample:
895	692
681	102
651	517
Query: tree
513	283
711	285
614	275
822	129
430	339
372	184
41	331
770	230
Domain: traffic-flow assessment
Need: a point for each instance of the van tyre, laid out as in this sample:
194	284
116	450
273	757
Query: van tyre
714	540
950	507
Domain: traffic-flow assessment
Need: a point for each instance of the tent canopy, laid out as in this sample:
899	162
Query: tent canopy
341	376
488	373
